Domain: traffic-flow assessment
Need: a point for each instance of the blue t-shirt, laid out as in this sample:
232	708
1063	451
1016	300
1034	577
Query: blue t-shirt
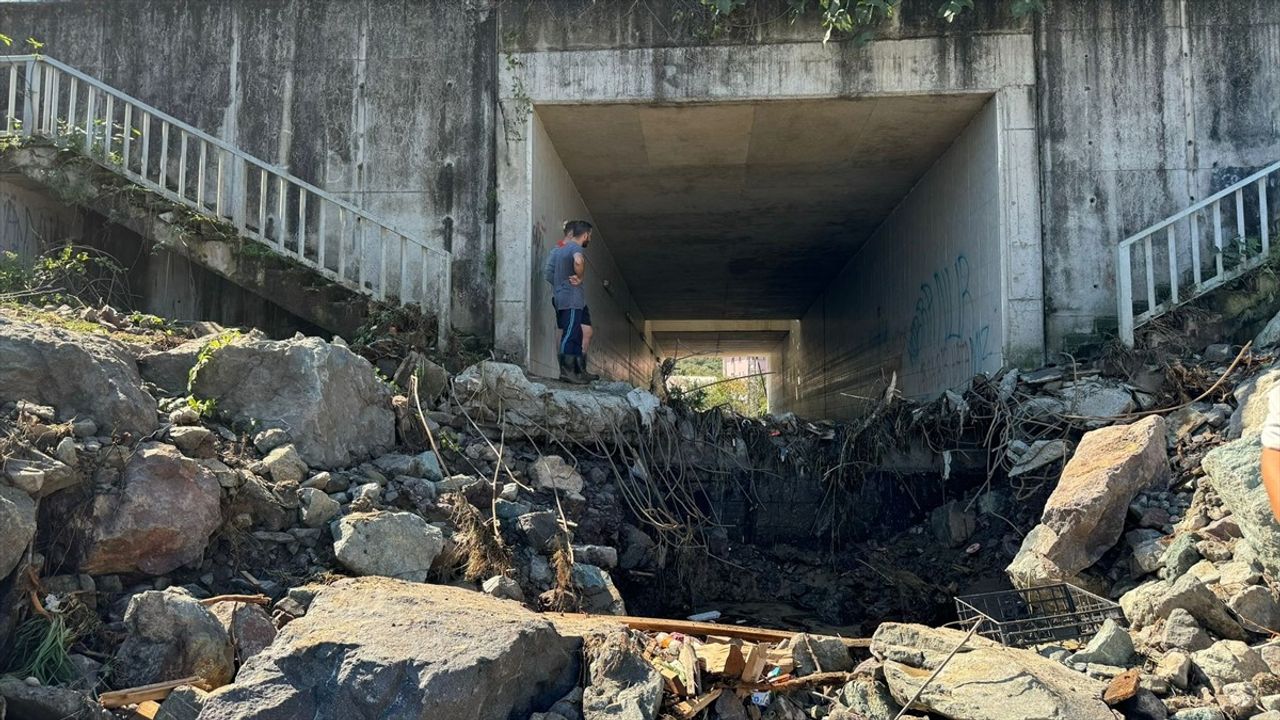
567	296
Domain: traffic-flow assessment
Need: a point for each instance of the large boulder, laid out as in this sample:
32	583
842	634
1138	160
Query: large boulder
624	686
1253	399
172	636
80	375
170	370
490	389
376	647
159	520
981	683
1235	473
248	626
393	544
44	702
1084	516
1147	603
17	527
329	399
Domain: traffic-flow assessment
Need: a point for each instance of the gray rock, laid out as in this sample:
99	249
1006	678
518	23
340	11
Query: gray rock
1228	661
315	508
285	465
170	636
503	588
869	698
506	510
979	683
38	363
1257	608
1143	706
1039	454
599	555
183	703
818	653
396	464
1180	555
375	647
23	701
17	527
248	626
624	686
637	548
270	439
170	370
551	472
597	591
37	473
1235	474
1084	516
1238	699
1146	603
394	544
193	440
1175	668
330	399
159	520
1094	398
1110	646
1251	404
427	465
952	524
1183	632
539	529
1200	713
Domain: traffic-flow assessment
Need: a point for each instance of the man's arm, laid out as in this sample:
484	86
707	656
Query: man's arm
548	270
1271	451
579	267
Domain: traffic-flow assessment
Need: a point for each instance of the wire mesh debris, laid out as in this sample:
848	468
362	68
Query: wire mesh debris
1033	616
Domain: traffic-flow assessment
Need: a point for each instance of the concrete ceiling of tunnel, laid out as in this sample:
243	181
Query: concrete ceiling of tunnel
747	210
731	343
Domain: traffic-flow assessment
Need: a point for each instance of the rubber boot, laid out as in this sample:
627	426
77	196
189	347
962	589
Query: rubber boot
569	370
580	365
582	369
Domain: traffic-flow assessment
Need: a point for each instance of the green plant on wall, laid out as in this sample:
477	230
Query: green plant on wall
839	18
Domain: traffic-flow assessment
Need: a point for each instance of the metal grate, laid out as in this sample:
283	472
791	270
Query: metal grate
1050	613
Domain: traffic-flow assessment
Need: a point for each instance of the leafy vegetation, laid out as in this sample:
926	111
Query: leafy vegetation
206	407
846	18
700	382
72	274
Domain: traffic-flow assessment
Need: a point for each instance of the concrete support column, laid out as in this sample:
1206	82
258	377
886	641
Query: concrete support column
513	245
1022	263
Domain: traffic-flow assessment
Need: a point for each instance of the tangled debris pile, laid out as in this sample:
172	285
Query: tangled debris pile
218	512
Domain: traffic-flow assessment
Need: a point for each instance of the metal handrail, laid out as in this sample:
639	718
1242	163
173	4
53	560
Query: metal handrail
222	185
1185	249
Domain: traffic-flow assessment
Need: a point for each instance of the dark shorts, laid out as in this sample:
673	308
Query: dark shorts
572	322
586	315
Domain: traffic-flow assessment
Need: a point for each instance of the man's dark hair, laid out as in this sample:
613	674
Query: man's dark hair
576	228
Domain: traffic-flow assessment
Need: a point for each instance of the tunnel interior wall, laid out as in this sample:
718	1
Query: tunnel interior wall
922	299
618	347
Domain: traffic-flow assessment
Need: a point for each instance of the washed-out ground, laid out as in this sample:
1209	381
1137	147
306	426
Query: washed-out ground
298	528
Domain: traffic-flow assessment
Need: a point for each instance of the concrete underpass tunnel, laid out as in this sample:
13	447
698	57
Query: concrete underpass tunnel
848	240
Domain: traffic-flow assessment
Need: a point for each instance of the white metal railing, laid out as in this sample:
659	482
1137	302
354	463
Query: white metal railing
294	218
1197	255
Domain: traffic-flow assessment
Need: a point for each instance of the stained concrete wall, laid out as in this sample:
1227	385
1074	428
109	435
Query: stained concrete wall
387	103
618	347
31	222
923	300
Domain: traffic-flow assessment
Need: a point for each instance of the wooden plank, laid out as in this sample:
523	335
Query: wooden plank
689	661
579	623
142	693
689	708
753	666
147	709
252	599
721	659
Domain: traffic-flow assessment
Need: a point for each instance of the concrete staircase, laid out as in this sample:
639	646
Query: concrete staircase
1190	253
240	216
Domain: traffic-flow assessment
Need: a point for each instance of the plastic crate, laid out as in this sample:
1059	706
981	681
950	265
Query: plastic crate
1046	614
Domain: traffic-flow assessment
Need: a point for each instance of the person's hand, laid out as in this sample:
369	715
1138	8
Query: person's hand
575	280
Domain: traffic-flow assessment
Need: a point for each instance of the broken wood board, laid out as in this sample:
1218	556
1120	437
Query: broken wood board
147	709
579	624
689	708
155	691
721	659
753	665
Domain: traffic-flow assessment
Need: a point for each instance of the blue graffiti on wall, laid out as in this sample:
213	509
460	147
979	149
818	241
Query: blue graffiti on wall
948	342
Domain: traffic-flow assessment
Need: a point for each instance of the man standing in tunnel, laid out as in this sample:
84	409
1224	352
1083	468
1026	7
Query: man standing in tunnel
568	264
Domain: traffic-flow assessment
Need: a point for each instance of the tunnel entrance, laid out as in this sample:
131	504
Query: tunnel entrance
852	242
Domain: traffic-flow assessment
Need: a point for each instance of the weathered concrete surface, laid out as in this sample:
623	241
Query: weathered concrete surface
276	77
374	647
